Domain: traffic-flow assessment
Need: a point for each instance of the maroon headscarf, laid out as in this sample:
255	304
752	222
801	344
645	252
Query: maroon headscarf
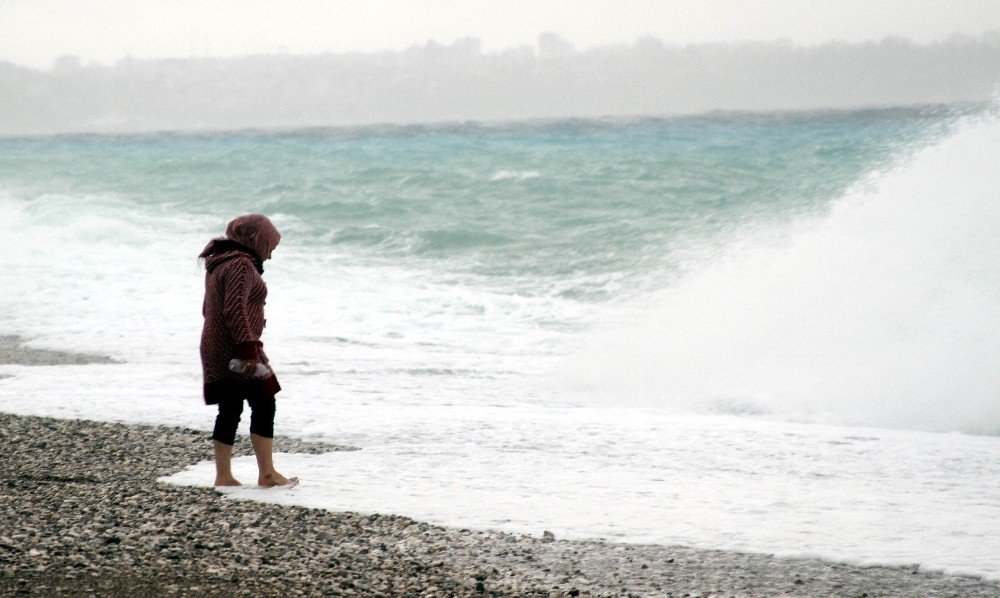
250	232
256	232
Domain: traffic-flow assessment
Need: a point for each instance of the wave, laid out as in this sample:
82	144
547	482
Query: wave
882	312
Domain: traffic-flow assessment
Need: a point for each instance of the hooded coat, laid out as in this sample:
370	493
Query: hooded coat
234	320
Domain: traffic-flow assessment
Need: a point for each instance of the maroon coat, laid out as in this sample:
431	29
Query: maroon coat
234	320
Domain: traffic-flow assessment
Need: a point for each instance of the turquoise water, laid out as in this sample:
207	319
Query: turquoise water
542	208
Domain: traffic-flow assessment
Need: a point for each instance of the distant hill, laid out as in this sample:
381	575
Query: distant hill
458	82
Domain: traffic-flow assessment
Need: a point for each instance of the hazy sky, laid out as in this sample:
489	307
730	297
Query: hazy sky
34	32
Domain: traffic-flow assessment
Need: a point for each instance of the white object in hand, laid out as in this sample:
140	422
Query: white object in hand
262	371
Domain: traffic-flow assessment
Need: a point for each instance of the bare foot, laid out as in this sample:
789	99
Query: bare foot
272	479
230	481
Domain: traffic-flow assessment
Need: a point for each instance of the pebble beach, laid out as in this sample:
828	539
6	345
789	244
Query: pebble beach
83	514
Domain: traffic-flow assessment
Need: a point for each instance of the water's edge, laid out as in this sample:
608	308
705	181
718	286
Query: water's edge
383	550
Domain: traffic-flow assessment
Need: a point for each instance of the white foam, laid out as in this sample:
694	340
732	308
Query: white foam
882	312
516	175
863	496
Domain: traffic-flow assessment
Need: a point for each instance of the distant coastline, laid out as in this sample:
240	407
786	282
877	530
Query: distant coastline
456	83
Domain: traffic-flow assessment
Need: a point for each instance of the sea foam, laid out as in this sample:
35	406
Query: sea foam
505	175
883	311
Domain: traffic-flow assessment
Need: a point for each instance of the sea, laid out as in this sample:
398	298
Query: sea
765	332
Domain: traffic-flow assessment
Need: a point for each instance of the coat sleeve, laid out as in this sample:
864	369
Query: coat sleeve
236	309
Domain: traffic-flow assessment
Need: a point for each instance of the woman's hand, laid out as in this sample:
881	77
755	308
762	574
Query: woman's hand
250	367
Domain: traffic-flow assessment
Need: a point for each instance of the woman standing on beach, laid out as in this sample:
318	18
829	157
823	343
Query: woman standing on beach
234	320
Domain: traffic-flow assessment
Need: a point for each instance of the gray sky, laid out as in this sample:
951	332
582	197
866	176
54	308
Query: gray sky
34	32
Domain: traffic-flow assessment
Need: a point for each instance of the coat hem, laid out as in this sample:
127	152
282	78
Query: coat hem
239	387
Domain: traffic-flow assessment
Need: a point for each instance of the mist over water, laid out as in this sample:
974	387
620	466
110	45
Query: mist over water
459	82
882	311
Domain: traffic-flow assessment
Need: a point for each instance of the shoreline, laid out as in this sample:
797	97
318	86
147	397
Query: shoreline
13	352
83	512
111	528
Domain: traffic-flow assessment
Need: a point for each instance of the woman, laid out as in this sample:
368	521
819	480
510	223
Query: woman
234	320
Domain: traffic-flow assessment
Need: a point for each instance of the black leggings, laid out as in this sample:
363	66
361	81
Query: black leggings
230	409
